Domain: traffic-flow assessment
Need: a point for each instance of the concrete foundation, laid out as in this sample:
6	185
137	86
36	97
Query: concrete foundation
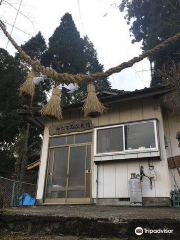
161	201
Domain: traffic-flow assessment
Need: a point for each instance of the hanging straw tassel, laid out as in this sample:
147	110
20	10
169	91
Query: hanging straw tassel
53	108
28	87
92	107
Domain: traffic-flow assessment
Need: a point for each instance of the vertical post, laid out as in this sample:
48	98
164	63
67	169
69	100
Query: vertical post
12	198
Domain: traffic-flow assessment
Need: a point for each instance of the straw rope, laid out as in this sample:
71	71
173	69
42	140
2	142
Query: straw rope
28	87
53	108
92	106
69	78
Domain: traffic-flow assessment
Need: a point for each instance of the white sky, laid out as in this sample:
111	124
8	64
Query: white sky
109	34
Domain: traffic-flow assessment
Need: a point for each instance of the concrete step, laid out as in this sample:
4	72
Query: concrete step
95	222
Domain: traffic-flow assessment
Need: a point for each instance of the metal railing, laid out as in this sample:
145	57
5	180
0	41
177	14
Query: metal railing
11	191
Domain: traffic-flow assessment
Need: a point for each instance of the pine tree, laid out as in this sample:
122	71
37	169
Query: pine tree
69	53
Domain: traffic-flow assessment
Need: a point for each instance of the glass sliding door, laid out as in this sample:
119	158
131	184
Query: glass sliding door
69	171
76	178
59	177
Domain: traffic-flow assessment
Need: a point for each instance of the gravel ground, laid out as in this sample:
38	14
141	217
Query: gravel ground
91	211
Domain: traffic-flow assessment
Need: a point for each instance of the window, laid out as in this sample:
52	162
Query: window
107	140
70	139
137	136
140	136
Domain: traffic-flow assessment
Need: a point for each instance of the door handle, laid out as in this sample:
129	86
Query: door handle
88	171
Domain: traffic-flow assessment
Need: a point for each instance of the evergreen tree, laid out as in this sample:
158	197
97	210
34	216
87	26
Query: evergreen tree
65	52
92	66
35	48
13	71
69	53
12	76
152	22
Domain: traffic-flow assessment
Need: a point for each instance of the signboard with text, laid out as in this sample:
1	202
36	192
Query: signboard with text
75	126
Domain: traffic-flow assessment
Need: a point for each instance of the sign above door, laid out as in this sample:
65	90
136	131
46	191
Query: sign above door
74	126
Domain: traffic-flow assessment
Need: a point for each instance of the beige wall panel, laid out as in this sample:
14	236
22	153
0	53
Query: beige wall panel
136	110
160	183
162	170
104	119
174	127
109	180
148	108
145	184
114	113
125	112
100	180
167	134
94	183
95	121
121	179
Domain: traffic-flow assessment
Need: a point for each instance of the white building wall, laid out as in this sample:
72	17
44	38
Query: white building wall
43	165
113	176
172	126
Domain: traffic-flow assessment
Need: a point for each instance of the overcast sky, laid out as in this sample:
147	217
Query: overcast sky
104	24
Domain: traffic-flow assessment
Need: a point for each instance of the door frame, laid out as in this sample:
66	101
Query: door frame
70	200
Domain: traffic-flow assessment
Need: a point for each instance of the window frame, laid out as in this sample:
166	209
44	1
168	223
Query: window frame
124	150
70	134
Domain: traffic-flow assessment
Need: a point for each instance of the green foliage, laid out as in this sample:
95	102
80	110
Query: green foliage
24	148
35	48
12	76
13	72
69	53
152	22
65	52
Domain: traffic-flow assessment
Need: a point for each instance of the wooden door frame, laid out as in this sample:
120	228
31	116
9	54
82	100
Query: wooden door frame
70	200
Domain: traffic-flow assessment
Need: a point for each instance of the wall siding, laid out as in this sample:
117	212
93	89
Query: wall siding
113	176
172	126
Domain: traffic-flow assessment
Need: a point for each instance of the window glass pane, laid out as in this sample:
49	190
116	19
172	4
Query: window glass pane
110	140
140	136
83	138
57	141
70	139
